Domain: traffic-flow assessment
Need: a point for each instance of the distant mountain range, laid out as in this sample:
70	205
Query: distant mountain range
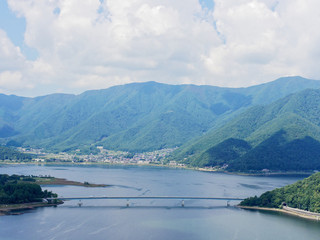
148	116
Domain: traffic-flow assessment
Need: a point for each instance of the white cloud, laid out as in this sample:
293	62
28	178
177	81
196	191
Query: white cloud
96	44
264	40
12	66
12	80
10	55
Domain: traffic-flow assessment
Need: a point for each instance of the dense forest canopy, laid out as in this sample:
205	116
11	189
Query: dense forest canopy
21	189
281	136
135	117
304	194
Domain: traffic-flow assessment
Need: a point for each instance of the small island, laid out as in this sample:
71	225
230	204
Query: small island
300	199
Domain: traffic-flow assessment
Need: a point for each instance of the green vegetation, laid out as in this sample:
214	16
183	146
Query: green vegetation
223	153
134	117
278	154
213	127
282	136
21	189
11	154
304	194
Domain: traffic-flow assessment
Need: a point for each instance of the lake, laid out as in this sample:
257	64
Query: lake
153	219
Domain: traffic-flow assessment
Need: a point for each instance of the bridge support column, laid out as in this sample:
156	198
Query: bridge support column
182	203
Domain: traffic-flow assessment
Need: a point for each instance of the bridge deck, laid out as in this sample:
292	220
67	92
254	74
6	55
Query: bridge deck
148	197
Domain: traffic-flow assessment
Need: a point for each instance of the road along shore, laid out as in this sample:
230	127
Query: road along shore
287	210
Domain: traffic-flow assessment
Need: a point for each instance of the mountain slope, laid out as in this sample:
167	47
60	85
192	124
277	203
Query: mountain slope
133	117
8	106
272	91
284	136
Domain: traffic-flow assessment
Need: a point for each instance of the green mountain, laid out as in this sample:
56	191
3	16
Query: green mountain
133	117
304	194
8	107
283	136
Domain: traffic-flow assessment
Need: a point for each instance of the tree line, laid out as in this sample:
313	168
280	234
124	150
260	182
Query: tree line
304	194
21	189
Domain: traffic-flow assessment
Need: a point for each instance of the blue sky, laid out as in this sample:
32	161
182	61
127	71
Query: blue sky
207	3
15	28
97	44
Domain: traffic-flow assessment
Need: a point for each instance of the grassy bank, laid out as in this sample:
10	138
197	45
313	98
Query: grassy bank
63	181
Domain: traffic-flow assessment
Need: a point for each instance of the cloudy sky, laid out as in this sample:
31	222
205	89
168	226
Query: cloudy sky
71	46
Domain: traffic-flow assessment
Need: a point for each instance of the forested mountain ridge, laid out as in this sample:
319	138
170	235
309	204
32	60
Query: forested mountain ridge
281	136
133	117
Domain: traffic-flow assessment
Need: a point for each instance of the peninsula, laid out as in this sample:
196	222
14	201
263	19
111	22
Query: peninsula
300	199
19	192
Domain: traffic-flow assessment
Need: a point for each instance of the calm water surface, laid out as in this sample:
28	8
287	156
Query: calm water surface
153	219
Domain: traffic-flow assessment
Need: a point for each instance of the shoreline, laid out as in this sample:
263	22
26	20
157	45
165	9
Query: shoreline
292	213
18	209
270	174
163	166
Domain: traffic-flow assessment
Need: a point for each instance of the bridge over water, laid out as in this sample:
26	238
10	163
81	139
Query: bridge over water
128	198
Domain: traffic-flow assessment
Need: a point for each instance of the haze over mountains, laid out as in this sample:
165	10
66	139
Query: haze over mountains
149	116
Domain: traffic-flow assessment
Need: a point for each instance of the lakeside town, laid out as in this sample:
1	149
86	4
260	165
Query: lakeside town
157	157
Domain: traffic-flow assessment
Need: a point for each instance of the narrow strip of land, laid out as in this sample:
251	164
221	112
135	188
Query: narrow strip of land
16	209
63	181
287	210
